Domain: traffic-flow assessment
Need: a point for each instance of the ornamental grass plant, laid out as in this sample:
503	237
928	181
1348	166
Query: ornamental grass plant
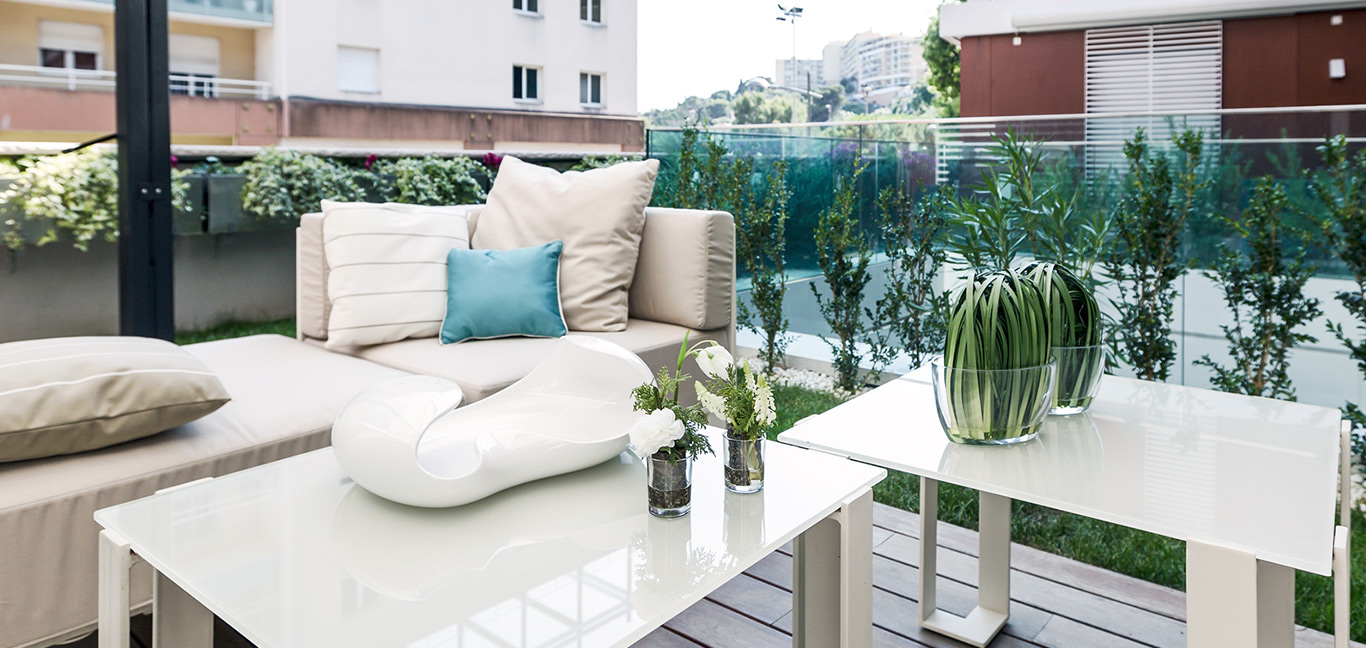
1072	319
995	381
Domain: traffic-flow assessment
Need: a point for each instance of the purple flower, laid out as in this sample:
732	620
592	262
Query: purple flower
493	160
174	161
370	161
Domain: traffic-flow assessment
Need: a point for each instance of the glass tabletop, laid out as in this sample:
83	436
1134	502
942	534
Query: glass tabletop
1253	473
294	553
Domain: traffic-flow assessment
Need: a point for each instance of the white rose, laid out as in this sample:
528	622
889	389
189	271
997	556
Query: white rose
715	361
650	432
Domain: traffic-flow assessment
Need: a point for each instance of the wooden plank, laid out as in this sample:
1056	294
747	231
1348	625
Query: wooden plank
754	598
897	615
710	624
1063	632
662	638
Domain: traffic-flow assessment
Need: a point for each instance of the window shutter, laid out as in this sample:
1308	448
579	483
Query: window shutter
1173	68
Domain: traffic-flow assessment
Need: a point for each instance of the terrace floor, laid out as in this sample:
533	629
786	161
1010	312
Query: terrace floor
1056	602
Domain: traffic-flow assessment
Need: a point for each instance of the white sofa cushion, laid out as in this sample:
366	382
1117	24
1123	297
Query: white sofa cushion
599	214
386	266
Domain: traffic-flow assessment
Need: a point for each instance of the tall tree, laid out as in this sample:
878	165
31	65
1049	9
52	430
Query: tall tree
941	57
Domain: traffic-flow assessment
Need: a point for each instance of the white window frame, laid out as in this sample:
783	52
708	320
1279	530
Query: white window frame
588	20
521	70
356	89
70	44
520	7
586	91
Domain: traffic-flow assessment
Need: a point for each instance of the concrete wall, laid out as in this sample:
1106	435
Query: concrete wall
443	53
57	290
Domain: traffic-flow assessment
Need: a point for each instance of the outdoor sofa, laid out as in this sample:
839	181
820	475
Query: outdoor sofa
286	394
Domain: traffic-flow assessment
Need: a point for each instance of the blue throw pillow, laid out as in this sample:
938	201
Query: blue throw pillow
502	293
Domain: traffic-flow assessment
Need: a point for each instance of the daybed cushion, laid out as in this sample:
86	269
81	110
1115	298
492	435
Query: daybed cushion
599	214
285	397
66	395
485	367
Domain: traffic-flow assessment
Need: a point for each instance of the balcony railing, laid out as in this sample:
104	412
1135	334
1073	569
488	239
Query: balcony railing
261	12
183	84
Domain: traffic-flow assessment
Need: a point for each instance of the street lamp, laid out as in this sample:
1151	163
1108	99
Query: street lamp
791	14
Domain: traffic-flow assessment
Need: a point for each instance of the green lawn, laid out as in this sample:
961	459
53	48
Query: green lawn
1142	555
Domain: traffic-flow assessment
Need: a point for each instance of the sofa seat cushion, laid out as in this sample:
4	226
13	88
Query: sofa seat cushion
285	396
485	367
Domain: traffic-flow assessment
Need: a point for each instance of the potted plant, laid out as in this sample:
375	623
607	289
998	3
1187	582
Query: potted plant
1073	322
994	383
668	438
742	398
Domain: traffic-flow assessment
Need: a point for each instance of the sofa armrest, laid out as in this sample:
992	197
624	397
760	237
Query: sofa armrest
311	306
686	271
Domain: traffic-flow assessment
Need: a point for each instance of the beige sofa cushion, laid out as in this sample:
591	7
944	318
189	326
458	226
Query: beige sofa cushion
599	214
66	395
686	273
285	397
484	367
387	270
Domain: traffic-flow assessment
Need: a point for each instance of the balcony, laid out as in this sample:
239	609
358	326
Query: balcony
255	13
181	84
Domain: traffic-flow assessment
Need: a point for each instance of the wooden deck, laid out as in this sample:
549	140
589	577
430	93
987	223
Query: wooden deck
1055	601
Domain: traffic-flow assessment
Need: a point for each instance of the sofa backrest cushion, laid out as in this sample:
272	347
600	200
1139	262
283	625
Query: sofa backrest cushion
386	274
685	273
599	214
66	395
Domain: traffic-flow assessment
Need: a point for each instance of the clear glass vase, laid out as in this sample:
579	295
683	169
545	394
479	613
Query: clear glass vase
744	463
669	483
992	406
1079	372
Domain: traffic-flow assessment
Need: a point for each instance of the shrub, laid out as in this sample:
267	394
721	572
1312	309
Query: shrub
761	240
1264	289
430	180
909	317
1146	259
992	225
844	253
284	185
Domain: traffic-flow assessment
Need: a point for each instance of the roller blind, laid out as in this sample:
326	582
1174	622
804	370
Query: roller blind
1172	68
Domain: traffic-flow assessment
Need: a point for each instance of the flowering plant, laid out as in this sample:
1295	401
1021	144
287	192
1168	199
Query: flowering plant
667	427
736	393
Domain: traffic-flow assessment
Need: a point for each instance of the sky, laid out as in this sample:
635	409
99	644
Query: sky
696	47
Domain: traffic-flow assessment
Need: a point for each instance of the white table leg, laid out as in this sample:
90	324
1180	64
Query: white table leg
178	619
981	625
1234	600
832	579
116	558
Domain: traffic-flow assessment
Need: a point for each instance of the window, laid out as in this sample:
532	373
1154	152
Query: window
194	65
357	69
529	6
69	45
524	83
590	89
590	11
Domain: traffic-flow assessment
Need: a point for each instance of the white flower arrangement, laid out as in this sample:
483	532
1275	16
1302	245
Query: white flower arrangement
736	394
666	427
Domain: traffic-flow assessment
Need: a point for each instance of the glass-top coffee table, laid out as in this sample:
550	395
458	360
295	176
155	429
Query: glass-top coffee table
1249	483
294	554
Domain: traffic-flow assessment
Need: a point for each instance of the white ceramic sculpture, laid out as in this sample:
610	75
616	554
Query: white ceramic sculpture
404	439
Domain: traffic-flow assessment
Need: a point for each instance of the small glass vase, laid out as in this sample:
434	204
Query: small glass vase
1079	372
744	463
992	406
669	483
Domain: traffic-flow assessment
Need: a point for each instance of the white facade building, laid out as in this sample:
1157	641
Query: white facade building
878	61
571	56
808	72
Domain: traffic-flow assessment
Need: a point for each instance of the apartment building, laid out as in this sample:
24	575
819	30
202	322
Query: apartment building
420	74
806	73
880	65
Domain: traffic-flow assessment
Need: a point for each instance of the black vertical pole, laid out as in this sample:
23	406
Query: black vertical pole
144	125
